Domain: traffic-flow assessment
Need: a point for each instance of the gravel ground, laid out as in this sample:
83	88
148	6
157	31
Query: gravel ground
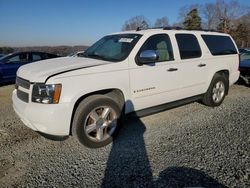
189	146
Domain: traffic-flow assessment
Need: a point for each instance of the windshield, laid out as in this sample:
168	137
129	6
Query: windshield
113	47
2	57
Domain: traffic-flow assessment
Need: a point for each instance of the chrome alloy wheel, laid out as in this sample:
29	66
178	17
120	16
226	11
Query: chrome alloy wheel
218	92
100	123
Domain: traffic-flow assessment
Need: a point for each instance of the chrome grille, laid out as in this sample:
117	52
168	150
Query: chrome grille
22	95
23	83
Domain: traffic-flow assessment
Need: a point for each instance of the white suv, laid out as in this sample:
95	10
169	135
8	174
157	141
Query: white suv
136	71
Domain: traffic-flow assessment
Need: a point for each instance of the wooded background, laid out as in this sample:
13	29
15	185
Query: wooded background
223	16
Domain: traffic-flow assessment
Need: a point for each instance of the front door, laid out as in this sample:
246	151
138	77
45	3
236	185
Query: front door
158	82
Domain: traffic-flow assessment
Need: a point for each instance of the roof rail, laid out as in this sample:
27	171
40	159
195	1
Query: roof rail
176	28
138	29
164	28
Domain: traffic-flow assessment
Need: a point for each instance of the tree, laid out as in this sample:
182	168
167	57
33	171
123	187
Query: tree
135	22
162	22
210	16
224	25
192	20
224	16
226	12
245	20
240	34
184	10
6	50
221	14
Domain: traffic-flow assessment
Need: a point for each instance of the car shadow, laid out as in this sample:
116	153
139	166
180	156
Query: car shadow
128	164
185	177
242	82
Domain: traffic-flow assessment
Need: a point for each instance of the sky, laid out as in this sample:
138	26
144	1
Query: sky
77	22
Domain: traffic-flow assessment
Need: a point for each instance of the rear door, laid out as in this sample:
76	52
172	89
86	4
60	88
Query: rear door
193	68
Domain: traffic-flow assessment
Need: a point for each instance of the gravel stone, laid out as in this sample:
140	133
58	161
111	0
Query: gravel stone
189	146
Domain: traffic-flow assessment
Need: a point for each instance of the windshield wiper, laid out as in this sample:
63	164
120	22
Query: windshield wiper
96	56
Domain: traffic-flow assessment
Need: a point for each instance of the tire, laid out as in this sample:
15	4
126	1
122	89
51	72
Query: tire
217	91
97	121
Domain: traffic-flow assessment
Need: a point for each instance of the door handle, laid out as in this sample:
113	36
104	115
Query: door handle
201	65
172	69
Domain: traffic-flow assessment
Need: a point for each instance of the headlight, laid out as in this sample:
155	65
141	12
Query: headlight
46	94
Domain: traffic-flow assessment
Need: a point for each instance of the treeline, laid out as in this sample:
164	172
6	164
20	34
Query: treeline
58	50
223	16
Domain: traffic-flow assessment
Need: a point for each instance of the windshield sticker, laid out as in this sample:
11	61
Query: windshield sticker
127	40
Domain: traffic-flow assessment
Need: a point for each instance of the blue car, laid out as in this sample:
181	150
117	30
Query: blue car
245	67
10	63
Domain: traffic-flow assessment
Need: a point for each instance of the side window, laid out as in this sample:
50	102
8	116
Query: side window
24	57
161	44
51	56
14	59
219	45
36	57
245	56
20	58
188	46
44	56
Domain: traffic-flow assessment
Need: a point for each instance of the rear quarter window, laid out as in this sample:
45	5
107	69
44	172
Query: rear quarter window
219	45
36	57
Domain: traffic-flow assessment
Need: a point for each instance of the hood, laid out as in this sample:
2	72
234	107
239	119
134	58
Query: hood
41	70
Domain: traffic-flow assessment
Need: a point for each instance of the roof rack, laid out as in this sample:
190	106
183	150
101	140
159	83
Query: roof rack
177	28
138	29
173	28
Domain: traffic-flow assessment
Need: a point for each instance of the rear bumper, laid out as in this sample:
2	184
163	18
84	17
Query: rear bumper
51	119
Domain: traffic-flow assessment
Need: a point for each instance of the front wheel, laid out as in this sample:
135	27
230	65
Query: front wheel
216	91
96	121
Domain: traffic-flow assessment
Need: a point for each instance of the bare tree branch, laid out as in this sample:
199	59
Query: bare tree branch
135	22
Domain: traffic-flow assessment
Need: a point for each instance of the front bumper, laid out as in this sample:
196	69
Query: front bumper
52	119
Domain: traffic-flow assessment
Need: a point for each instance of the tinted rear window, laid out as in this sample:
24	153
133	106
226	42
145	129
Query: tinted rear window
219	45
188	46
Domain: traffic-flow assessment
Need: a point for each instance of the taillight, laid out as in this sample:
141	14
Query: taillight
239	62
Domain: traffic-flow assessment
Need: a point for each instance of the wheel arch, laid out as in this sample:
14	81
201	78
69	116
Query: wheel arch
114	93
223	72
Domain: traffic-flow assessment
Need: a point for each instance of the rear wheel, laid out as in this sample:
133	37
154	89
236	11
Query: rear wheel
96	121
216	91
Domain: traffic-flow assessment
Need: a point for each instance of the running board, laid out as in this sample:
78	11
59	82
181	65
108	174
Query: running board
166	106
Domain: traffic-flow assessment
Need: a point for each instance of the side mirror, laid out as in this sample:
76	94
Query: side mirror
147	56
